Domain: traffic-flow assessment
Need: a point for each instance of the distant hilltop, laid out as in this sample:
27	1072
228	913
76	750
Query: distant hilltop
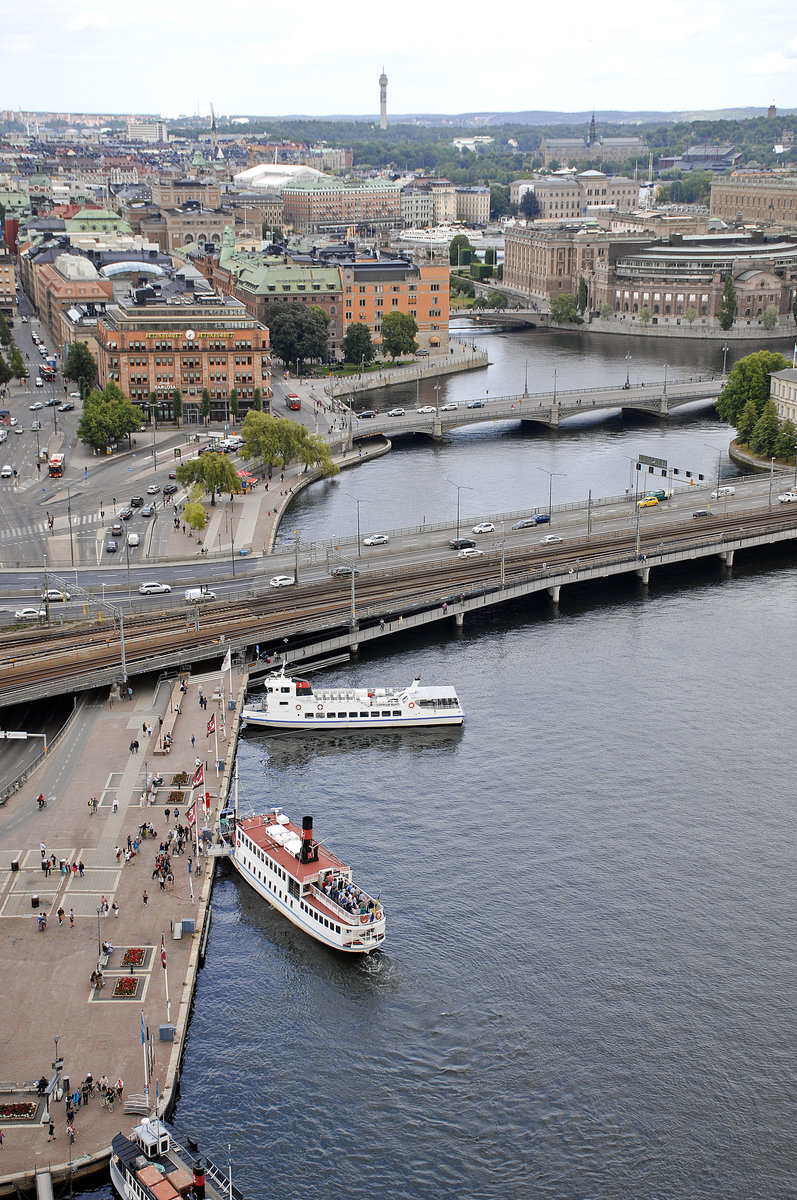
608	116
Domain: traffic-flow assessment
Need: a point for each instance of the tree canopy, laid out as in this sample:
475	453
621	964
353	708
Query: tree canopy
458	243
212	472
81	367
398	333
727	308
298	331
529	206
749	380
564	307
107	417
277	441
357	344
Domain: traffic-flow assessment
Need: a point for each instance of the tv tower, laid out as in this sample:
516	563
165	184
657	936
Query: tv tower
383	100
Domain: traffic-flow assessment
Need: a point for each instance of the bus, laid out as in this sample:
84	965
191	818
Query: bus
293	401
47	372
56	467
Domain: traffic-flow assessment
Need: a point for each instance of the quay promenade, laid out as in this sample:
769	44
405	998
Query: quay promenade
47	993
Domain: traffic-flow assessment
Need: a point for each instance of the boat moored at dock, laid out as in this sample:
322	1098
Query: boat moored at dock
153	1165
291	704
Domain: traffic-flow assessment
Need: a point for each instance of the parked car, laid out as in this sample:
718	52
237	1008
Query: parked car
461	543
422	353
470	552
366	414
475	404
281	581
344	569
153	589
426	409
396	412
377	539
550	539
484	527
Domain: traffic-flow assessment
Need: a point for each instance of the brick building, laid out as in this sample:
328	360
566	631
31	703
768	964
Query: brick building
8	282
153	342
334	205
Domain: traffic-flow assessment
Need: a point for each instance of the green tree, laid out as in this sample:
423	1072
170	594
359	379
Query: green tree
727	308
764	438
81	367
499	201
234	405
357	344
212	472
204	405
276	441
645	314
456	247
195	515
257	400
794	308
17	362
398	333
496	299
107	417
299	332
771	315
582	294
787	440
529	206
5	333
606	311
691	314
746	423
564	307
177	405
749	380
6	374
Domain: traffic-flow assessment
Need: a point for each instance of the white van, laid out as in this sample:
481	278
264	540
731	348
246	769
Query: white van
723	491
198	594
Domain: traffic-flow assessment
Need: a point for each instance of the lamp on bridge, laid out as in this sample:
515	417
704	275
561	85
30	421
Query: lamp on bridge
358	502
550	475
459	487
628	370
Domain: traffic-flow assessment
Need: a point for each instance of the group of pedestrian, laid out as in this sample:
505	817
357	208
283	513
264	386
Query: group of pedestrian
134	747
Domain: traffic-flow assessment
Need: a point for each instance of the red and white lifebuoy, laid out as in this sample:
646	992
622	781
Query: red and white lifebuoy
412	704
298	708
320	708
364	919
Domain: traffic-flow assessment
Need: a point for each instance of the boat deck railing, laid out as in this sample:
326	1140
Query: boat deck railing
343	915
219	1180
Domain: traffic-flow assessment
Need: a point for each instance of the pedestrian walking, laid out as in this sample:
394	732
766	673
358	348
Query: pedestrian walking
144	727
2	1135
115	805
43	849
193	741
61	915
145	898
51	1136
81	868
115	909
72	918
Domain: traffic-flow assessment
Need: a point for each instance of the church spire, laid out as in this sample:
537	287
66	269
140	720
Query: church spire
593	133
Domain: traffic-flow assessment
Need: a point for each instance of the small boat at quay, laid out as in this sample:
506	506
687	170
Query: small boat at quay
151	1164
293	704
303	880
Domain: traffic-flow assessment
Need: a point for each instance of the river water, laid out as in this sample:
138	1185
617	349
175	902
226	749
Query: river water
588	987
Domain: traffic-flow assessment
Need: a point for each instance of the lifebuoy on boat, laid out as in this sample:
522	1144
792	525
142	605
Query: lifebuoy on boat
364	919
298	708
412	704
378	915
320	708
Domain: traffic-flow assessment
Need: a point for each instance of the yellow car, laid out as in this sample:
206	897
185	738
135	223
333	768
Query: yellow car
647	502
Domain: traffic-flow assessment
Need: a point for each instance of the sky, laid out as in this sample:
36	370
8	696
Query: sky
176	56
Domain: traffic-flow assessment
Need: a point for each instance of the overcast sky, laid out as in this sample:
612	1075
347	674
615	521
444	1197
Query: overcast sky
176	56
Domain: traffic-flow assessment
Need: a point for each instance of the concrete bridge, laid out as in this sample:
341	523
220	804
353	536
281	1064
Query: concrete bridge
657	398
529	317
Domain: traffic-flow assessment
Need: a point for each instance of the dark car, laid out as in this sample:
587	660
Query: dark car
526	523
126	514
701	512
337	572
68	406
366	413
461	543
147	510
475	404
542	518
117	529
51	403
169	489
136	501
172	474
111	546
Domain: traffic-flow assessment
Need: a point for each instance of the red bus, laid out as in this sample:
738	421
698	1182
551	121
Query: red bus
293	401
47	372
56	467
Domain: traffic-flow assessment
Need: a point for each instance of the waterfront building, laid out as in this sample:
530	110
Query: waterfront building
373	288
179	337
764	198
417	208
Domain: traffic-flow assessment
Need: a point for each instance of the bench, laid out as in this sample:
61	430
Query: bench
103	961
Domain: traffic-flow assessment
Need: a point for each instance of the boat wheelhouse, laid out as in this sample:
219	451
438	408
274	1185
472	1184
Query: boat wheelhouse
292	704
153	1165
305	882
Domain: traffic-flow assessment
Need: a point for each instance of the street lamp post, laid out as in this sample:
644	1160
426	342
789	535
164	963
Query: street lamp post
69	520
628	370
724	357
550	475
459	487
358	502
127	552
437	399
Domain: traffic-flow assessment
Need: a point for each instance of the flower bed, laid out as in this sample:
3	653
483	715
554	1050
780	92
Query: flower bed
134	957
18	1112
126	985
175	797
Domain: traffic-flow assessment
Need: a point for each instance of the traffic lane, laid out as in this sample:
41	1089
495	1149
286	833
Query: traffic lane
44	721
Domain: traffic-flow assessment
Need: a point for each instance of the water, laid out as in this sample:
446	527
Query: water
588	986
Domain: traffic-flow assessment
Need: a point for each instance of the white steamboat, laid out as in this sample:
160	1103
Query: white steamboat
292	704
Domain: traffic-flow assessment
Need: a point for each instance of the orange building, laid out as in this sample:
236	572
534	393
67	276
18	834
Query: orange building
372	289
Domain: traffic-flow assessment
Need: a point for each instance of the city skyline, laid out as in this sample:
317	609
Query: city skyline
721	54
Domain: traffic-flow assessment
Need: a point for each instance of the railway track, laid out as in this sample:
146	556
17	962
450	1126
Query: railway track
38	655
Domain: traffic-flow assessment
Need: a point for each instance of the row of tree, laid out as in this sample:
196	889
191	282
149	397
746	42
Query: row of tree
745	403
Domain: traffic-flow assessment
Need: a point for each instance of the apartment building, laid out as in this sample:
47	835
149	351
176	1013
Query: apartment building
334	205
8	282
764	199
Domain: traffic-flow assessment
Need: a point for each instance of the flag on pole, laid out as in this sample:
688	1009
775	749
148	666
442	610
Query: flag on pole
211	725
198	778
227	664
143	1035
190	814
163	956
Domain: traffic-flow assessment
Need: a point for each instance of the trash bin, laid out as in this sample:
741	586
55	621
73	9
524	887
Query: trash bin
243	551
14	864
34	901
166	1033
231	705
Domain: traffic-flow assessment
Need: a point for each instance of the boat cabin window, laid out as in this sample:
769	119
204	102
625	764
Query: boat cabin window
351	714
287	689
396	712
363	714
293	888
309	716
331	715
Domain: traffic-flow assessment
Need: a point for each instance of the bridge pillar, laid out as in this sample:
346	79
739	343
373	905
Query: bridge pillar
553	592
554	413
663	405
643	573
460	620
727	558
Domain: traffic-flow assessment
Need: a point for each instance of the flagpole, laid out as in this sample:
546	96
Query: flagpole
166	978
146	1062
216	743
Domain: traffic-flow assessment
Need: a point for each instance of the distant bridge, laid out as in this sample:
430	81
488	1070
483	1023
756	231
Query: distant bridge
658	399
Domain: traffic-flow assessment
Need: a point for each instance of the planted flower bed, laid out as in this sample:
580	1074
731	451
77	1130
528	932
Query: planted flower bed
126	985
175	797
134	957
18	1112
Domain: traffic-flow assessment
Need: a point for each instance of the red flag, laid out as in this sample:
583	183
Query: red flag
212	725
163	951
190	814
198	779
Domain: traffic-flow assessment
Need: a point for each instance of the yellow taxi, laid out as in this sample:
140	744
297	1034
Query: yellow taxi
647	502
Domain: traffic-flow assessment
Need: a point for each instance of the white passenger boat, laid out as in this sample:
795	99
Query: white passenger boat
440	235
304	881
153	1165
287	703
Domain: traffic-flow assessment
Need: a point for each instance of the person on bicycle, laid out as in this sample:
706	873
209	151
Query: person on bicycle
41	801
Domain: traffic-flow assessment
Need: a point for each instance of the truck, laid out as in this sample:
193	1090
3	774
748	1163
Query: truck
660	495
196	595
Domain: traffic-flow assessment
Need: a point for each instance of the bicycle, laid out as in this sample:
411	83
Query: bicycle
107	1102
42	803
